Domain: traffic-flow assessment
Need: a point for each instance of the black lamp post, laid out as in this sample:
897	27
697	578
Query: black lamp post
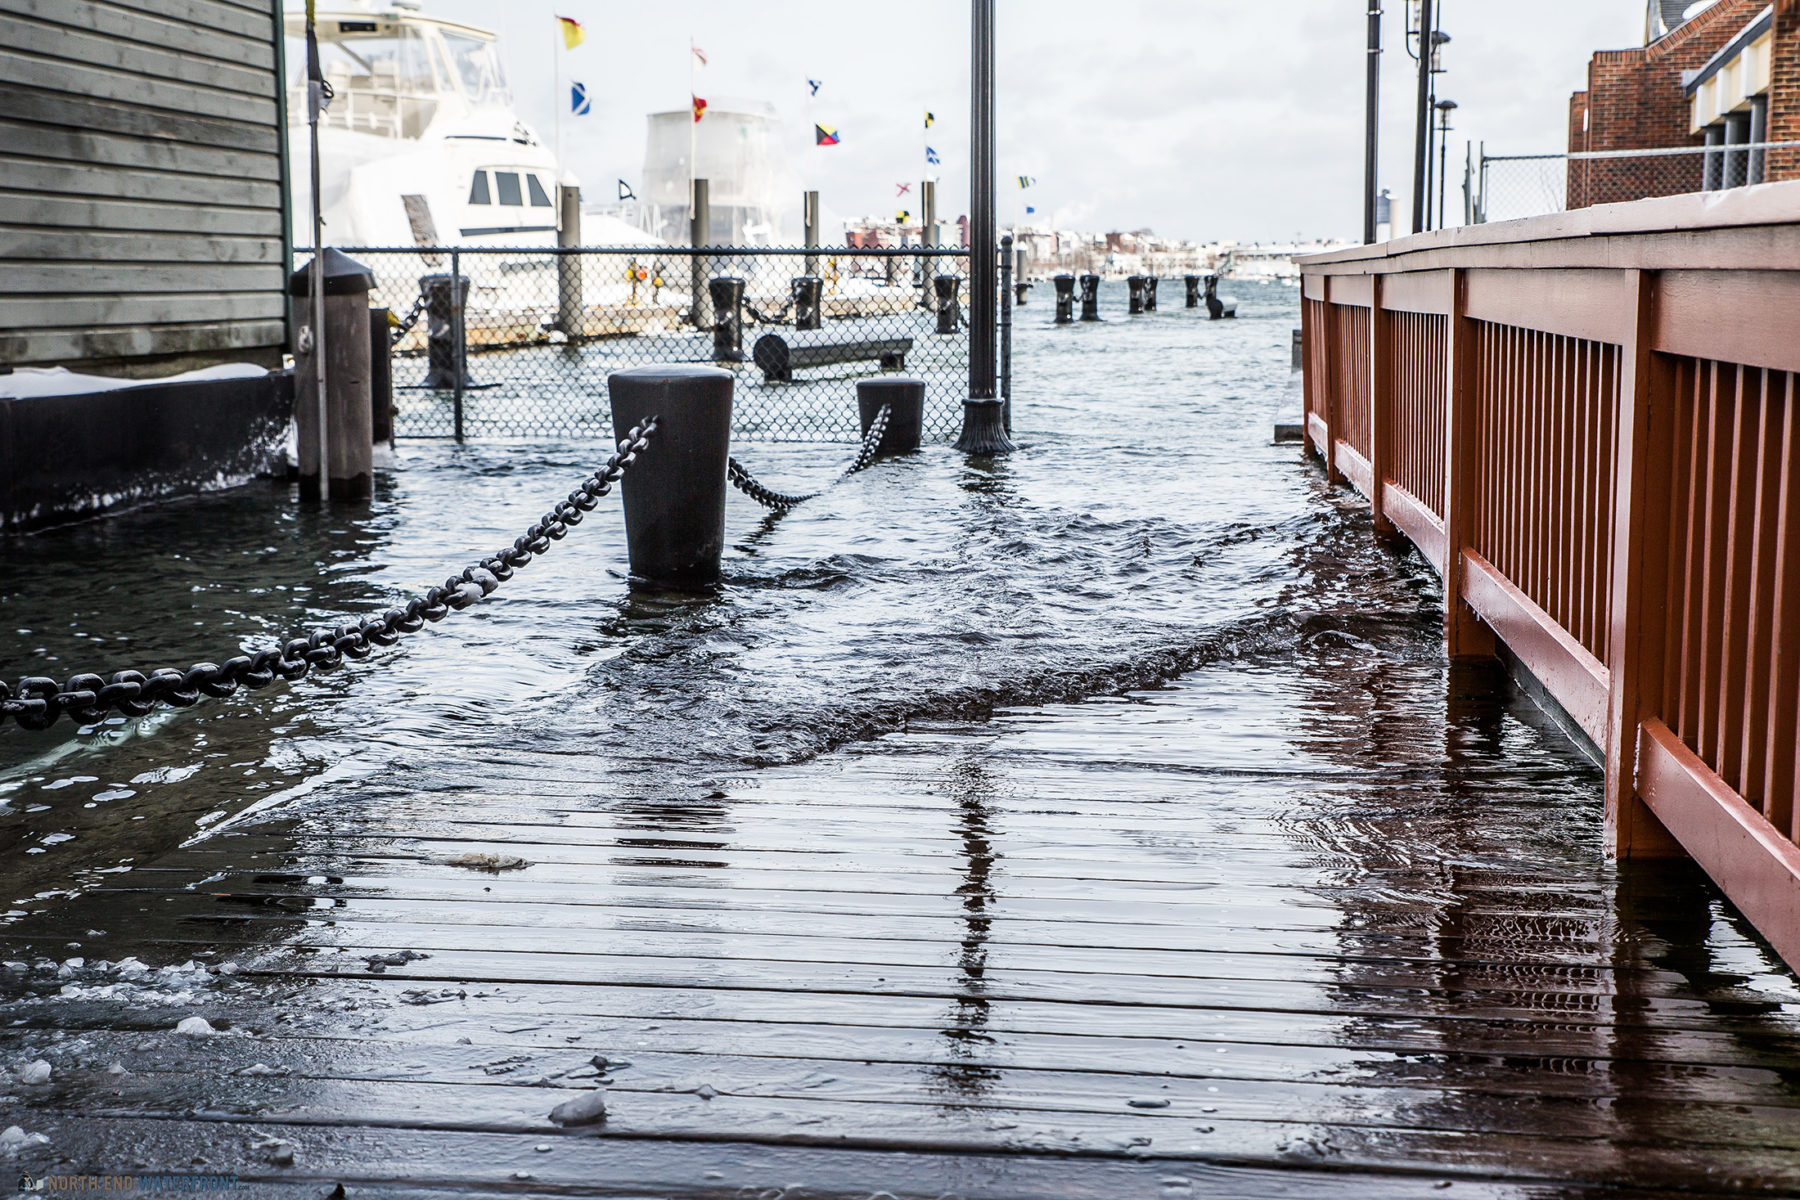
984	417
1444	109
1372	122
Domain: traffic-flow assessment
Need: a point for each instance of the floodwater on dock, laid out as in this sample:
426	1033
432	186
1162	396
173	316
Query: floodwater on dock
1100	821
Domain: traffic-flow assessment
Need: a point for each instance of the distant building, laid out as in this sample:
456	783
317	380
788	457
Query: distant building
1714	73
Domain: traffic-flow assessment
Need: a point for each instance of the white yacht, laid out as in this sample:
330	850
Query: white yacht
420	145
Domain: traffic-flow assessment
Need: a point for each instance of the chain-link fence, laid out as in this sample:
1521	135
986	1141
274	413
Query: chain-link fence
1531	185
523	347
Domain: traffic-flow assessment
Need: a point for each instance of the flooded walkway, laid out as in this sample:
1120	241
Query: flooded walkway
1104	823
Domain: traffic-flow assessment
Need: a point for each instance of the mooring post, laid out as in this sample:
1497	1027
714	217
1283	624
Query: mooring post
984	416
1021	285
1149	293
949	302
1065	299
809	207
700	235
808	293
727	294
674	495
906	418
1134	286
381	376
342	451
441	303
569	307
1193	290
1090	297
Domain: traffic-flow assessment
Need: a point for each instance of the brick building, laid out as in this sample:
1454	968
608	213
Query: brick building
1725	74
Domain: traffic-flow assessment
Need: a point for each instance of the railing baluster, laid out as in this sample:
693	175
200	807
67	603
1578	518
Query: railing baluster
1640	554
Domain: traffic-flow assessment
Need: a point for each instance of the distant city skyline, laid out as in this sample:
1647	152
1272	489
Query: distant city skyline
1203	121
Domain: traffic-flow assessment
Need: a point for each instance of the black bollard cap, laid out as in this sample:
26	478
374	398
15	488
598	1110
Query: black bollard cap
344	276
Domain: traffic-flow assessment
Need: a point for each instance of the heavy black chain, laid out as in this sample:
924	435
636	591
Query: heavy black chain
404	325
38	701
768	497
871	441
746	483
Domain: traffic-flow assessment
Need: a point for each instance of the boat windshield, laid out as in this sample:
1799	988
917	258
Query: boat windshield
383	82
483	82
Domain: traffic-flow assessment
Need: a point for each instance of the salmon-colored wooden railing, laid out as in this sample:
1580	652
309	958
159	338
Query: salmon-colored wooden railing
1590	426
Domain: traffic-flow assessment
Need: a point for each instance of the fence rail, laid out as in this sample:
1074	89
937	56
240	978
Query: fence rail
1593	434
524	347
1510	186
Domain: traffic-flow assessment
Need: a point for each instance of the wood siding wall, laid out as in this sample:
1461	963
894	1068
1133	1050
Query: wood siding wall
1592	435
142	185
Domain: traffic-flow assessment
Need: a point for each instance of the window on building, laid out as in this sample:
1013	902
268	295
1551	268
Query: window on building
508	184
539	197
478	191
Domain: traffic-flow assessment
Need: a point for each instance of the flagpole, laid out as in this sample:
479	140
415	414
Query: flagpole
693	138
315	101
556	93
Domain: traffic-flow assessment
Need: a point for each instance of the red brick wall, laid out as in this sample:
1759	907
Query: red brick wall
1784	93
1635	101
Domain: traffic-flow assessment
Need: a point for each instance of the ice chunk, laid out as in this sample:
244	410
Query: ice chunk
195	1027
37	1072
589	1108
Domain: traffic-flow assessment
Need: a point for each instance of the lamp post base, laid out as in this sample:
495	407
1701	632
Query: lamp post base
984	429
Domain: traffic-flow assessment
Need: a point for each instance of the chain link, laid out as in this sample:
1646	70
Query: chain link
405	324
768	497
38	701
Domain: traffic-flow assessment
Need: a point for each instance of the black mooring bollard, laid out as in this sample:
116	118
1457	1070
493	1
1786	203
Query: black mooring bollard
674	495
1149	293
1065	299
1090	297
1193	290
441	305
949	304
1020	291
1135	286
906	423
808	295
727	294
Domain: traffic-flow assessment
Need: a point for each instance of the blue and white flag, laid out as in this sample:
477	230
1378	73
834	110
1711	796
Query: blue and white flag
931	156
579	104
815	85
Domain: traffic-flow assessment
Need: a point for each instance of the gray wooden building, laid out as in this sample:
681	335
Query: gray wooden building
143	184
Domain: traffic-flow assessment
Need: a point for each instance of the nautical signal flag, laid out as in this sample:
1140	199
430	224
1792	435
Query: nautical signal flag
1026	181
572	32
625	192
904	188
699	109
825	135
1029	210
815	85
902	217
931	156
579	103
698	53
930	118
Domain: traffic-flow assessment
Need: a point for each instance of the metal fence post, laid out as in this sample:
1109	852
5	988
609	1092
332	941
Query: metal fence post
459	333
1006	320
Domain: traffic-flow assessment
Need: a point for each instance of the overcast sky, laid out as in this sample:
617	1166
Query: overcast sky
1196	118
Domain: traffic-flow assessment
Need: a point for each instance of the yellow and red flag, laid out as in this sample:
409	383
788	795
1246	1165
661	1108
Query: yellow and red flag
699	109
572	32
